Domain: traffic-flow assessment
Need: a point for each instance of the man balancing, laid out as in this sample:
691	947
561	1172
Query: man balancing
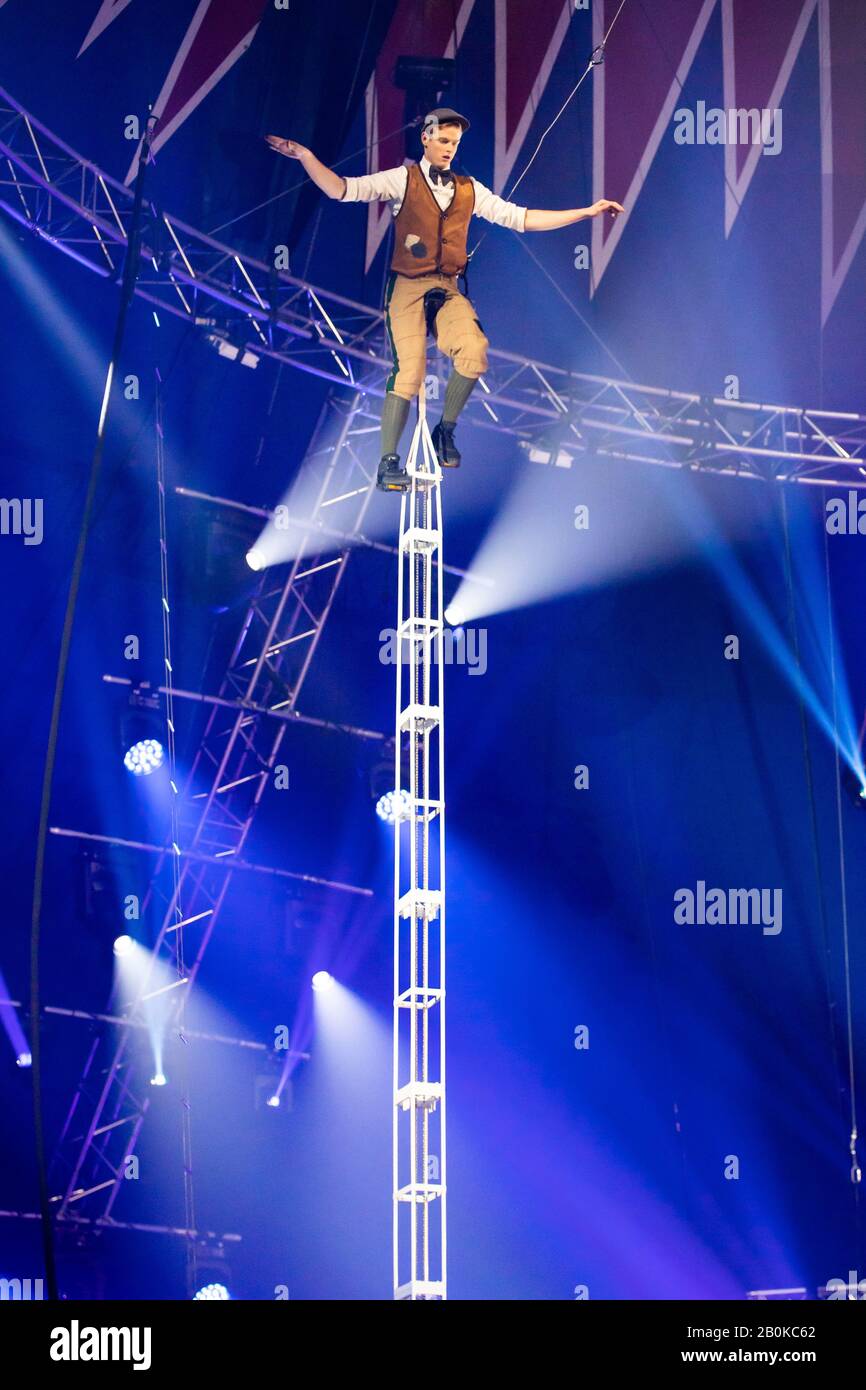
432	207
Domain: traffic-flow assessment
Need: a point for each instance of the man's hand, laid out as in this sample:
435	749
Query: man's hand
290	148
606	205
334	185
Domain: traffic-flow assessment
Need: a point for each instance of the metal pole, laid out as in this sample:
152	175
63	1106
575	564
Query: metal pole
419	1236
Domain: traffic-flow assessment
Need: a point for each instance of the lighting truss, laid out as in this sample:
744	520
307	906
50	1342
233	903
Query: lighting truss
555	414
232	768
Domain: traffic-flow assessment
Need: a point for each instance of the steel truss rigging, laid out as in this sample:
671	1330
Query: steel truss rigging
554	413
239	749
556	416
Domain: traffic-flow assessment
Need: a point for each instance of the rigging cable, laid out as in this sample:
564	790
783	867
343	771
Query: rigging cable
595	59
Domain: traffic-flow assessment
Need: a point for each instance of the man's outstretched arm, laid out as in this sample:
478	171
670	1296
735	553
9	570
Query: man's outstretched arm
383	185
548	219
520	219
330	183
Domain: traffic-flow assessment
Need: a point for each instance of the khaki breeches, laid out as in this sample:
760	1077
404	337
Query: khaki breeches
458	333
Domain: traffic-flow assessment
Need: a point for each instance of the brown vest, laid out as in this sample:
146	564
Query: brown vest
437	239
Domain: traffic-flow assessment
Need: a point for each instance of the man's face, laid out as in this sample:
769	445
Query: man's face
440	144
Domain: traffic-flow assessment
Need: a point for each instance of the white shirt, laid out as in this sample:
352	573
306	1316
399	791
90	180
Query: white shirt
389	185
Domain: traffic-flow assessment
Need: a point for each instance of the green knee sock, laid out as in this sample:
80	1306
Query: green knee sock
394	415
457	393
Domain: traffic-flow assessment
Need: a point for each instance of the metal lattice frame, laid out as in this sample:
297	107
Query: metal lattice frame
556	414
419	1185
239	749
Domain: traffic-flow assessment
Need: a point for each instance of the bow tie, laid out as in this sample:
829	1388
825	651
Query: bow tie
441	175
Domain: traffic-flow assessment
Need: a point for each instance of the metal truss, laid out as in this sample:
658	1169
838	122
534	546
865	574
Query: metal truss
419	1186
238	753
555	415
251	306
81	1226
85	1016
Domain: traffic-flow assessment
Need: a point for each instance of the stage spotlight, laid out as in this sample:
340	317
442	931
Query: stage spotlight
97	898
560	458
322	981
144	757
255	558
23	1059
394	806
158	1079
424	80
855	787
450	615
389	806
142	733
212	1276
124	945
234	351
273	1092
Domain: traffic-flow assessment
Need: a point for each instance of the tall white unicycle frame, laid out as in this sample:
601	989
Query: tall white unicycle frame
419	1185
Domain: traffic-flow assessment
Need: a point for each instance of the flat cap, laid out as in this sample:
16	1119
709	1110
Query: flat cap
444	115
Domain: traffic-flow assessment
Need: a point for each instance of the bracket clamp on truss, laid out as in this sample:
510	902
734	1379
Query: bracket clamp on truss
419	718
421	1290
420	538
420	903
422	1095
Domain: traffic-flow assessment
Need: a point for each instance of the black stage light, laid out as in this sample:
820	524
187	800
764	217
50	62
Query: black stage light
424	80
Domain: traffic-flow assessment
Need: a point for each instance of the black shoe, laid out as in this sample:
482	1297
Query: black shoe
391	477
443	443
